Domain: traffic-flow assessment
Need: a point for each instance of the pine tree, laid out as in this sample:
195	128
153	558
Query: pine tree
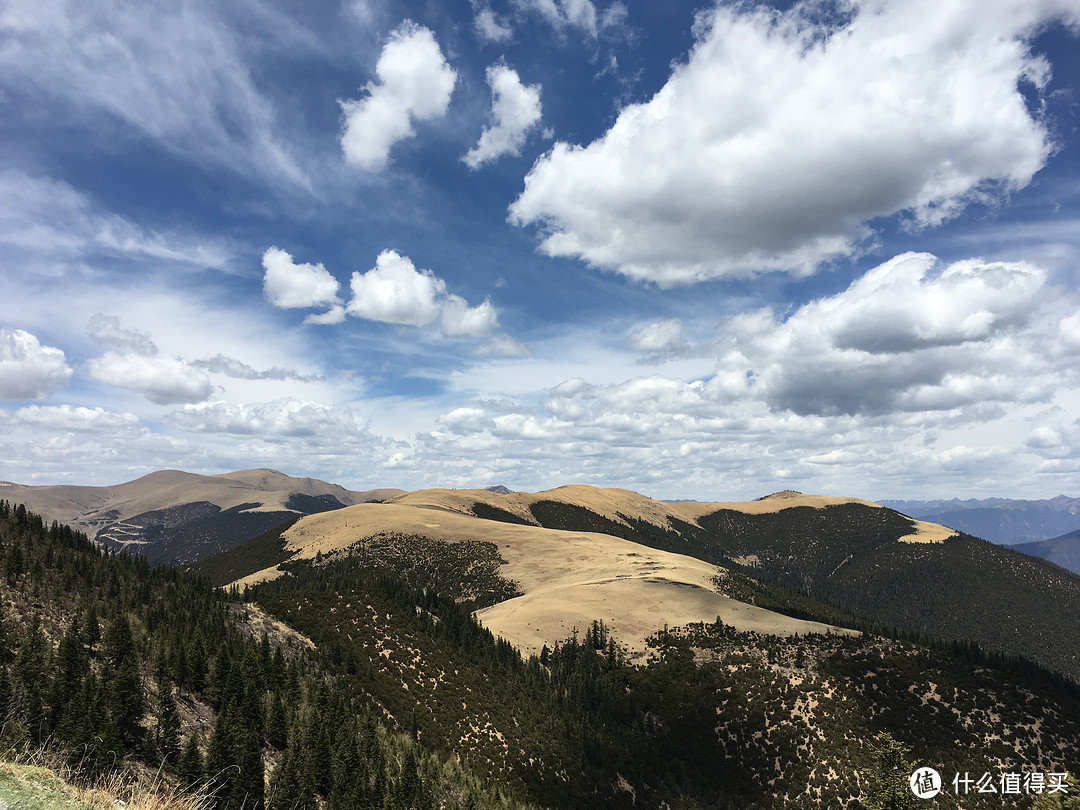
72	666
189	770
31	662
248	786
122	684
220	768
277	724
167	732
889	788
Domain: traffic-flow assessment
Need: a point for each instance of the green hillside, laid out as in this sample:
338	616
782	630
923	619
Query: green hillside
363	680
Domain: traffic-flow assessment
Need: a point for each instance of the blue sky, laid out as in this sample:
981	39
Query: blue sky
699	251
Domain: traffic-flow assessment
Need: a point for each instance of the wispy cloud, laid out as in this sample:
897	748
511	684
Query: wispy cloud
50	222
174	74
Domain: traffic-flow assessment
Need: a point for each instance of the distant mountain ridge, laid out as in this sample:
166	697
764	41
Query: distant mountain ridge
999	520
1063	550
178	517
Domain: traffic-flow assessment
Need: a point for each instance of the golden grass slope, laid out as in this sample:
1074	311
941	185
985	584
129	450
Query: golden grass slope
568	579
615	504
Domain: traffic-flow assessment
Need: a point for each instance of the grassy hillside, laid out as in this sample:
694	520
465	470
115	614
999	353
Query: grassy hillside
405	701
849	555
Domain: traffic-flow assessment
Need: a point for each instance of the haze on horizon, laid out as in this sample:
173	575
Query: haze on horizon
701	251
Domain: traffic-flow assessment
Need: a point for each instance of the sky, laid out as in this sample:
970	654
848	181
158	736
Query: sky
697	251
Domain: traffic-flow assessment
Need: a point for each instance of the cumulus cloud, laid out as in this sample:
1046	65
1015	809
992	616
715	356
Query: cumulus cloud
395	291
780	138
76	418
29	370
162	380
108	330
284	418
289	285
489	26
461	320
515	109
415	84
907	336
956	385
1067	339
659	336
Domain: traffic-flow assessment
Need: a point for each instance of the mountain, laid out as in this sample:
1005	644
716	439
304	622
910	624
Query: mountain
999	520
362	680
577	553
1063	551
177	517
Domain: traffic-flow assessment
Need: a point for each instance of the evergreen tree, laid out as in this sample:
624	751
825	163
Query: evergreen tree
71	667
121	683
277	724
220	760
889	787
248	786
31	663
167	731
189	770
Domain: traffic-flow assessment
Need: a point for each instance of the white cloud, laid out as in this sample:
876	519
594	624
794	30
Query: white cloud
907	336
1067	339
659	336
563	13
48	221
504	346
956	387
461	320
778	140
162	380
29	370
394	291
908	303
415	84
490	27
174	74
76	418
271	420
107	329
290	285
231	367
515	109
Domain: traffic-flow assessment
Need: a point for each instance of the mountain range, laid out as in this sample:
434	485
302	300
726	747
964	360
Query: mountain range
999	520
577	647
178	517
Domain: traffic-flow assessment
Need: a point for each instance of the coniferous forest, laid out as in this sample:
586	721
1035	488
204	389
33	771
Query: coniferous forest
366	682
